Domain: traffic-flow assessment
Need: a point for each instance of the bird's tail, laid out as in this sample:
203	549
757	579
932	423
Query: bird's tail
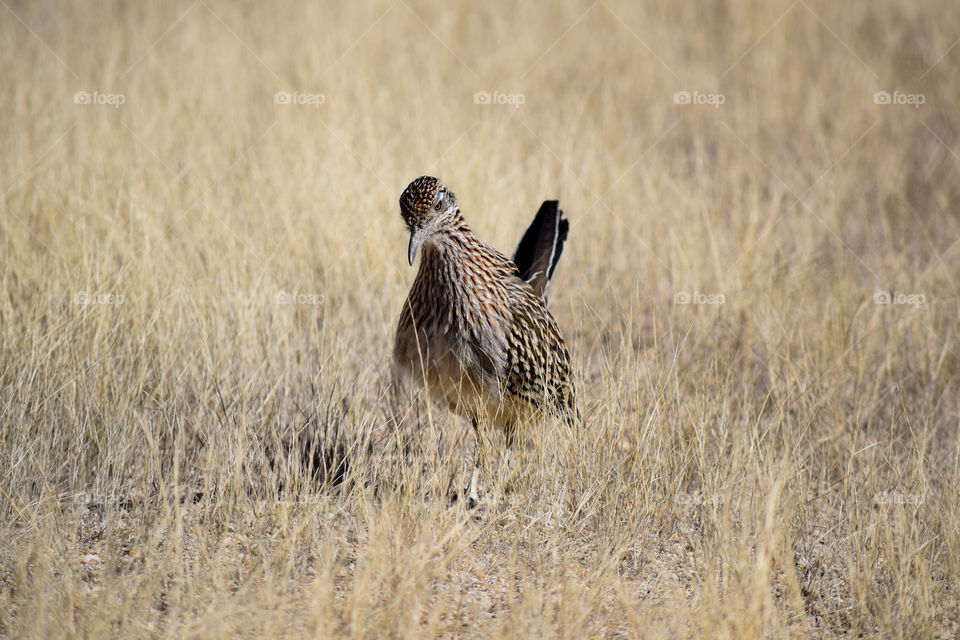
539	250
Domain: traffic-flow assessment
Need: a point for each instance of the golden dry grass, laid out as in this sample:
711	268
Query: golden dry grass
198	281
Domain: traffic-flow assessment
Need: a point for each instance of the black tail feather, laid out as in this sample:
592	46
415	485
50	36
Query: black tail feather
539	250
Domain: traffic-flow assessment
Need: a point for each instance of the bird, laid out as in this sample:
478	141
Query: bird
475	330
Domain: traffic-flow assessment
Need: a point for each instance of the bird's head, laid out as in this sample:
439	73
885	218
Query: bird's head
426	206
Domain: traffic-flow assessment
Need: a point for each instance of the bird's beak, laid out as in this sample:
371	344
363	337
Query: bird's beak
416	239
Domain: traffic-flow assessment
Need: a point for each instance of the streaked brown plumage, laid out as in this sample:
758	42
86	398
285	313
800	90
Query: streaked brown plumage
473	330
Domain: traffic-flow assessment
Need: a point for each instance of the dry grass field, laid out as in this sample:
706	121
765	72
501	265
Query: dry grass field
202	262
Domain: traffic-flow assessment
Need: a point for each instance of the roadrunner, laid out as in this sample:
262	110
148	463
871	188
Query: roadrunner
475	329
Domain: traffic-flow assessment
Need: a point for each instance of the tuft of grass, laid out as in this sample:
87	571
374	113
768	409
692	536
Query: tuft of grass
199	286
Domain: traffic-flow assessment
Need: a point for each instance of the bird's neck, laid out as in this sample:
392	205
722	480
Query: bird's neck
447	257
455	261
451	239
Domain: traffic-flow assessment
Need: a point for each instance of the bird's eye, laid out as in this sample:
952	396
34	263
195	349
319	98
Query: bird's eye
439	201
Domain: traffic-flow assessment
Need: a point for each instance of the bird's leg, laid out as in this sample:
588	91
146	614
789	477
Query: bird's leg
505	466
473	498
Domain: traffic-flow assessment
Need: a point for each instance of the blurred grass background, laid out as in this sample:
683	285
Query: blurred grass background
199	287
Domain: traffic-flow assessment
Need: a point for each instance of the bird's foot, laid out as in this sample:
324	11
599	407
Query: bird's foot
473	496
475	500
